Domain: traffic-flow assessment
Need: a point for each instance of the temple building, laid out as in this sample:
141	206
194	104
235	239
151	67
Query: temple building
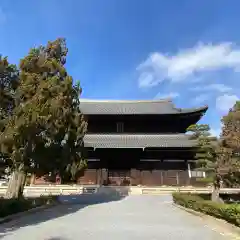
139	143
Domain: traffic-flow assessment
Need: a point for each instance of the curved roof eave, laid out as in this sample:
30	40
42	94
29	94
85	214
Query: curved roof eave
202	109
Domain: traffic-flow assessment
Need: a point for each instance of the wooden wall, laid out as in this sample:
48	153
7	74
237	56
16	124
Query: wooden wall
136	177
138	167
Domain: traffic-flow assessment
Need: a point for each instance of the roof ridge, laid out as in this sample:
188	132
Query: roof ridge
125	101
137	134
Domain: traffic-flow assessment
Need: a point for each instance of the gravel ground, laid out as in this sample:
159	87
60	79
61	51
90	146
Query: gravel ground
132	217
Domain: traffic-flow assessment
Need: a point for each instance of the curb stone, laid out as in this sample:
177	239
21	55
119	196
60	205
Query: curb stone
230	228
24	213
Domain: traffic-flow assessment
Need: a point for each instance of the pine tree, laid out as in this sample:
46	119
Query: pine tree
206	146
45	132
207	155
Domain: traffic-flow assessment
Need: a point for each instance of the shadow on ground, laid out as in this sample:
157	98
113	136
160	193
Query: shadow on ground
68	204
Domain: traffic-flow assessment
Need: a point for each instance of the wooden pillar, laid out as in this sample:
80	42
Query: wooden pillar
99	176
135	177
188	182
161	176
177	177
104	176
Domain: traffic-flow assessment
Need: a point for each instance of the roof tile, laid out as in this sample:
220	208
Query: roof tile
137	141
94	107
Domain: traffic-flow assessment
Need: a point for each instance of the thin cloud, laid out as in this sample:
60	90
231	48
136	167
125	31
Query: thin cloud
167	95
225	102
187	64
201	98
219	87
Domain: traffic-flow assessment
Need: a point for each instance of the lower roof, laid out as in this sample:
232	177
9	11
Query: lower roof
137	140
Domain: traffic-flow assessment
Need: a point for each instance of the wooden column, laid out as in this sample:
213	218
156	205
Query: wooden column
177	177
161	176
135	177
99	176
188	182
104	176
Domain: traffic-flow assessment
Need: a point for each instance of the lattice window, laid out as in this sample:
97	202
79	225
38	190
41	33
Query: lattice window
198	174
118	174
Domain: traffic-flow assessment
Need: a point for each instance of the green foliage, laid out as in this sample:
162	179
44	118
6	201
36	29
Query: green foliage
12	206
214	156
65	126
44	131
228	212
206	147
208	180
232	179
231	127
199	130
231	140
8	85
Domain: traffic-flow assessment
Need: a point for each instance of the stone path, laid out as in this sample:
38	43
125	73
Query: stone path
133	218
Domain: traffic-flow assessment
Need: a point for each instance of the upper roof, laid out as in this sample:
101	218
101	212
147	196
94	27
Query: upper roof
133	107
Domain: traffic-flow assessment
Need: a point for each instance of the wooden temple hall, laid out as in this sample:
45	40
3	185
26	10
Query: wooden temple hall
139	143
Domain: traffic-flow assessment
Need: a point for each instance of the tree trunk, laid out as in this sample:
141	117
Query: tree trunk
215	194
16	184
216	190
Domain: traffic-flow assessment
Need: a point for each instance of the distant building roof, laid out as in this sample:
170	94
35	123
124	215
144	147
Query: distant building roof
133	107
137	140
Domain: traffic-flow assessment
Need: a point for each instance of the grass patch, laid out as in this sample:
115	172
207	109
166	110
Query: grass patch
228	212
12	206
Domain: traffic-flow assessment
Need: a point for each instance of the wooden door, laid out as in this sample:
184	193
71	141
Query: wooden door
118	177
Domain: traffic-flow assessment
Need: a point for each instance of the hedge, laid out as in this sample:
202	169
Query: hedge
228	212
12	206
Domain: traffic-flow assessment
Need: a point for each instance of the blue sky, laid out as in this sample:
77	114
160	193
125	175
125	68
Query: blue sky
188	50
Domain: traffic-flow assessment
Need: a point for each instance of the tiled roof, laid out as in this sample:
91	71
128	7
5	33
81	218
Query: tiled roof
137	141
94	107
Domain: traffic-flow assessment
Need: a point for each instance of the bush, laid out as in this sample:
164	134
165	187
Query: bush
208	180
11	206
228	212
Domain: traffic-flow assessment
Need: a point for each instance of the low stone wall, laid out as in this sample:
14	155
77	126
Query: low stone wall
132	190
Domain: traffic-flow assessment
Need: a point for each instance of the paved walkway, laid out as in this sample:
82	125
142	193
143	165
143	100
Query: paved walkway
131	218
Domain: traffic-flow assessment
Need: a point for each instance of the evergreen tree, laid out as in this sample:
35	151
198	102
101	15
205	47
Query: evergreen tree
8	85
206	147
230	144
207	155
45	132
219	157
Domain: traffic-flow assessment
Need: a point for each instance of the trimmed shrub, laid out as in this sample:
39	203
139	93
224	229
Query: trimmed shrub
12	206
228	212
